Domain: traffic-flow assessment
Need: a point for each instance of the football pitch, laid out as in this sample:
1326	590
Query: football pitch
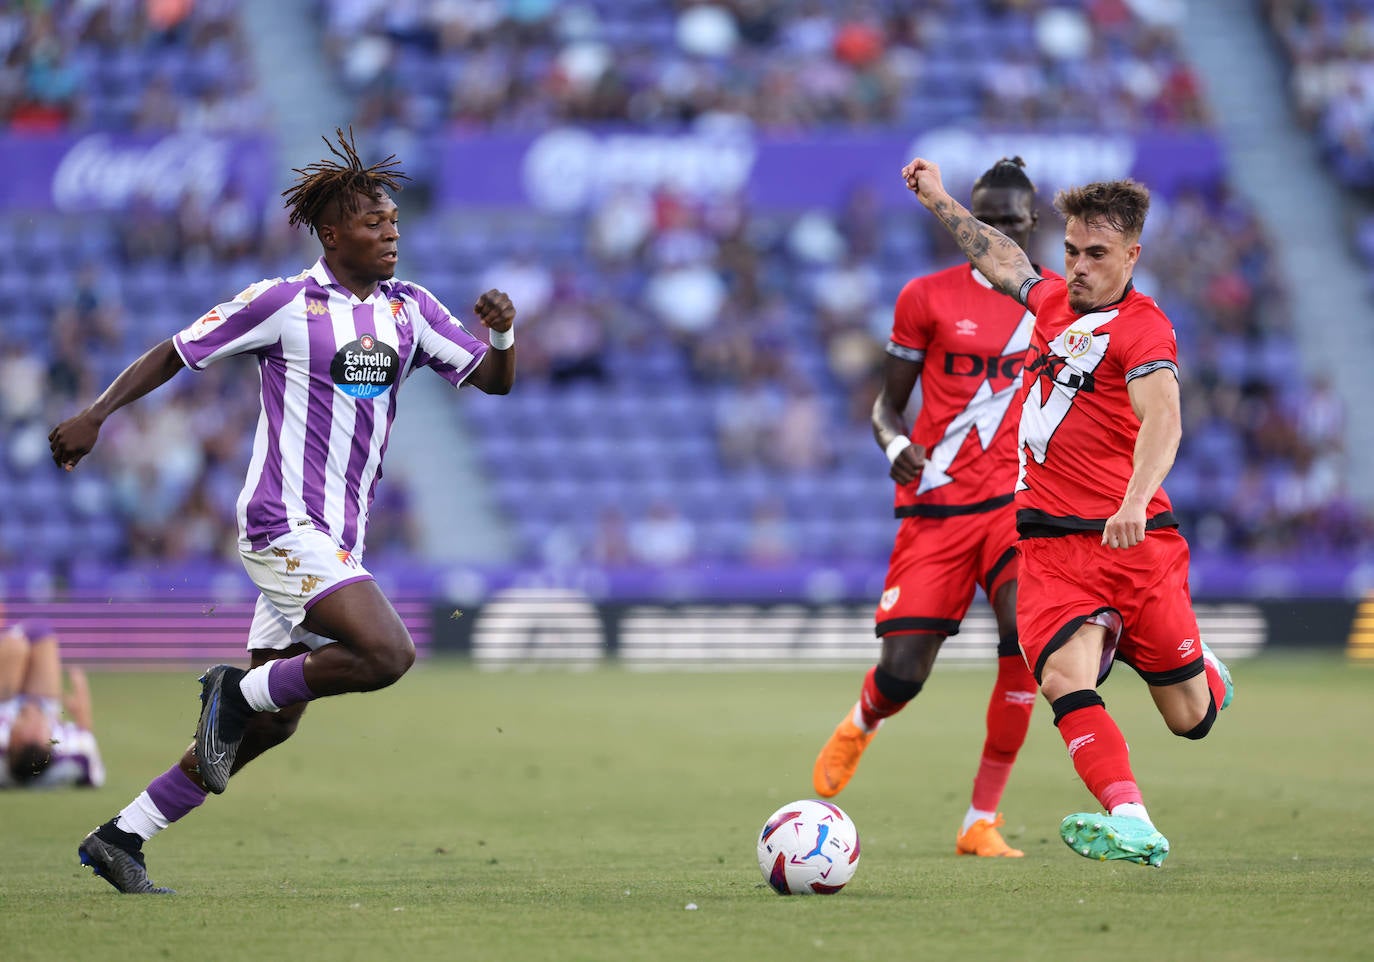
609	815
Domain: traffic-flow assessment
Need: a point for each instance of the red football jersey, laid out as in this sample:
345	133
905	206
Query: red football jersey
971	340
1078	430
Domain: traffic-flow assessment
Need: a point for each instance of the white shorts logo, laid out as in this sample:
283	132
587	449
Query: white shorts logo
890	597
1187	646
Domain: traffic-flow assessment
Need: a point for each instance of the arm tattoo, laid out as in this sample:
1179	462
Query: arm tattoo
997	256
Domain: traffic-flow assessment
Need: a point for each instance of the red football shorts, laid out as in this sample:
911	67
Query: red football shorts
937	562
1067	581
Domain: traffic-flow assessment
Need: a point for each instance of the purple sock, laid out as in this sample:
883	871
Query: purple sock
286	681
174	793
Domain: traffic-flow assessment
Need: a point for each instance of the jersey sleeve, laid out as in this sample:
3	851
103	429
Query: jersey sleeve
443	343
1040	291
1149	345
912	324
244	325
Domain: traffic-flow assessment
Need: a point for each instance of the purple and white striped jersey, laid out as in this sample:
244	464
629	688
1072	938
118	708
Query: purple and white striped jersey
331	366
75	755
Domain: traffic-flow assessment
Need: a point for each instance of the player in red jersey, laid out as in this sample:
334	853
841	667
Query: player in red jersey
955	471
1104	570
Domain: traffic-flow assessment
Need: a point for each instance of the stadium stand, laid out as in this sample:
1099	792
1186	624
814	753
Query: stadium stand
1328	44
700	372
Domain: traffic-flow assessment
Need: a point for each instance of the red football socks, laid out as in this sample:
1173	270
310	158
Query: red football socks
874	706
1100	756
1009	714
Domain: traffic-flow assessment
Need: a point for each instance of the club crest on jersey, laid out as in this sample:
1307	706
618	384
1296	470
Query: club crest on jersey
396	307
1077	343
365	368
890	597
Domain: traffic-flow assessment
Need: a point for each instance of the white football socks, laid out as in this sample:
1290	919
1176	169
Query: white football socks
1134	810
858	717
141	817
255	690
974	815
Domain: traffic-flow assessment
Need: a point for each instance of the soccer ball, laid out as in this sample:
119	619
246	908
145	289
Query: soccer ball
808	847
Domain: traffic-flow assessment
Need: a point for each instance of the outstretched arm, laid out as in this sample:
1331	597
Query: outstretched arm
74	438
997	257
495	373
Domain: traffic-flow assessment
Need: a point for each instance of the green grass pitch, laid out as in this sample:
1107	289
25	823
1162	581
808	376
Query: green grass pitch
579	816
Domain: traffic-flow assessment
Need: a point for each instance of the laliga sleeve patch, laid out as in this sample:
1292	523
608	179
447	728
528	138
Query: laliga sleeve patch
204	324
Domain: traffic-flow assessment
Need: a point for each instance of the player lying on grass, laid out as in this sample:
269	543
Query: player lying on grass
39	748
333	345
1104	569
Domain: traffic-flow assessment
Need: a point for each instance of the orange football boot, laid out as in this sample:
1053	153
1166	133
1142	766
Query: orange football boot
982	838
836	763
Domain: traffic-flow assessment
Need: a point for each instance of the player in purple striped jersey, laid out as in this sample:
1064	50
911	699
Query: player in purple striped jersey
39	748
333	345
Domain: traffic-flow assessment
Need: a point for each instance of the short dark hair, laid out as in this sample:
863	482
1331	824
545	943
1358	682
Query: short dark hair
1007	172
29	761
1120	204
325	182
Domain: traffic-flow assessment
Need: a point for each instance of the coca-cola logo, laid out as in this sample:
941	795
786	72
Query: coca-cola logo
100	173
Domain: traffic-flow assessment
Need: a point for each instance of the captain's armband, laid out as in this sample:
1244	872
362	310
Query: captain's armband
1024	292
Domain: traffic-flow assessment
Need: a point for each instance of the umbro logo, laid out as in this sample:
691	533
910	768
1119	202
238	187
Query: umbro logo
1021	697
966	327
1080	741
1187	646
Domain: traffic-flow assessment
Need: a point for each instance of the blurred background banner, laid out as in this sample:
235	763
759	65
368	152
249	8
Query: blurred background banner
697	210
100	172
572	169
538	626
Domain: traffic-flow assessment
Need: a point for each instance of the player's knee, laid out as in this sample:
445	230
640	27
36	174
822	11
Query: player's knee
387	663
1201	729
909	657
1074	701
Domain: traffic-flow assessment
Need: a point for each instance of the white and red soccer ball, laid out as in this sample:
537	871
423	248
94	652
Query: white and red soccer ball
808	847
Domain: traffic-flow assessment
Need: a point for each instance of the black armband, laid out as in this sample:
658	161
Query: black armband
1025	289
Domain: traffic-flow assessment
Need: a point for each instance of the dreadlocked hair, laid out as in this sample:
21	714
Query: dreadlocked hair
1007	172
327	181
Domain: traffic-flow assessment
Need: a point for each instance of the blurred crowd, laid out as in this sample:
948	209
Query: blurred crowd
126	65
778	64
1329	46
701	371
1330	49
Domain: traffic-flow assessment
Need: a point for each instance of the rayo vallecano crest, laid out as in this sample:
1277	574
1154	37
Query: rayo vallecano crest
1077	343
